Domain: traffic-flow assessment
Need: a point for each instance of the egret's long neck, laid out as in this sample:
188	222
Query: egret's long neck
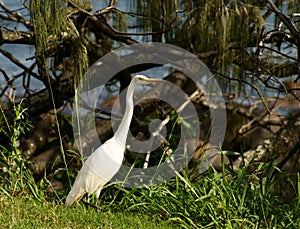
122	131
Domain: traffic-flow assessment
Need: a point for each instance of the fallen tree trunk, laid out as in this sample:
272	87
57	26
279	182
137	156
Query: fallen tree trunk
283	151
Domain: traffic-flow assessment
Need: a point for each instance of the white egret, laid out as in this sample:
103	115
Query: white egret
106	161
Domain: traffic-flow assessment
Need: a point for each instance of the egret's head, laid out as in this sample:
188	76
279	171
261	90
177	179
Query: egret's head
142	80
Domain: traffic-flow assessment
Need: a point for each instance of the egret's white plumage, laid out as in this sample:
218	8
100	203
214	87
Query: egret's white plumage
106	161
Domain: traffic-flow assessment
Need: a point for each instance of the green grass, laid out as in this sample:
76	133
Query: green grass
221	201
218	203
216	200
27	212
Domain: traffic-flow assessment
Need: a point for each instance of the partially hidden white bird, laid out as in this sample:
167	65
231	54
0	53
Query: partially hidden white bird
106	160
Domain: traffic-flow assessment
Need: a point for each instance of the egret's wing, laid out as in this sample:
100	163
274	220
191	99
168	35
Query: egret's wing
98	169
106	161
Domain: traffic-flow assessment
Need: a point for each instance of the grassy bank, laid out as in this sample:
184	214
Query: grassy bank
214	201
226	199
26	212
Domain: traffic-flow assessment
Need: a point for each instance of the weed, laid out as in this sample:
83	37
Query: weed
15	176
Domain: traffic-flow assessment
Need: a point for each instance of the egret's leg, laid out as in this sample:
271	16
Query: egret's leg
85	200
97	198
96	204
88	204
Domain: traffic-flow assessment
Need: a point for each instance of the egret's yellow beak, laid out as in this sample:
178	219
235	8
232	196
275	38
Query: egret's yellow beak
153	80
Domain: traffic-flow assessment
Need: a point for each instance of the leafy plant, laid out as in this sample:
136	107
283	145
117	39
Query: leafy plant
16	176
215	200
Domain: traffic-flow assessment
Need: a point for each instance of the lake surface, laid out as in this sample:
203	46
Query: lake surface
24	52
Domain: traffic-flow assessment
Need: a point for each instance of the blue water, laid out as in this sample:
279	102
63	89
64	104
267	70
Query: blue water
23	52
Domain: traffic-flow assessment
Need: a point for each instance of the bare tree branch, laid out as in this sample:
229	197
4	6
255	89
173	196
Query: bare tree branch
16	37
285	19
14	15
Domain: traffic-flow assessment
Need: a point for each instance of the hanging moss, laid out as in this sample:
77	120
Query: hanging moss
152	9
51	26
38	13
79	55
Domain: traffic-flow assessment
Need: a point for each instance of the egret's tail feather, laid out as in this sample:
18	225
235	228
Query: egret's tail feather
74	195
79	187
86	182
